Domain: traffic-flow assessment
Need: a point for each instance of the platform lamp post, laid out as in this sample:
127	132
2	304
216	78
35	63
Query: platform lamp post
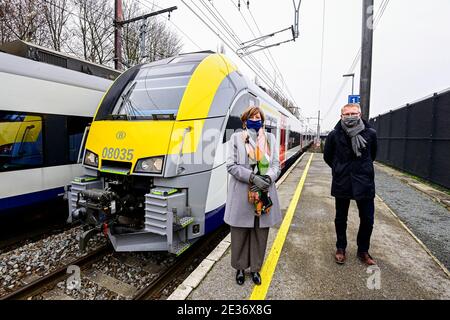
353	81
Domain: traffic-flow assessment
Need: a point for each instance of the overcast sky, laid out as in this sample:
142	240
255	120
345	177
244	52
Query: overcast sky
411	57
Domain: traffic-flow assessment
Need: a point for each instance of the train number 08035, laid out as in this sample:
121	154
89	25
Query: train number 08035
117	154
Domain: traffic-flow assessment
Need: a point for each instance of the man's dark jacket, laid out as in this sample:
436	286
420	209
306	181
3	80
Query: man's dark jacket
353	177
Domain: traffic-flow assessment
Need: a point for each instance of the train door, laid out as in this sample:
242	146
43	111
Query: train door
283	132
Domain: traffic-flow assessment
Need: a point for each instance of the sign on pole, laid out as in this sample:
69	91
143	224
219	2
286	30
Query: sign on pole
354	99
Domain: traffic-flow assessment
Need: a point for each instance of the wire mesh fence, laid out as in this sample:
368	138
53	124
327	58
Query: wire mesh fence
416	138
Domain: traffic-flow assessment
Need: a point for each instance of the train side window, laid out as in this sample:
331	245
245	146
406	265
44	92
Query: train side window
20	141
294	139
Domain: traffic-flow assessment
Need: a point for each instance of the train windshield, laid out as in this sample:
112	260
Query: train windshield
155	93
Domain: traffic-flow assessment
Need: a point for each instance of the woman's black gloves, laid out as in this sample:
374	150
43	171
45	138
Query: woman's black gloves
260	183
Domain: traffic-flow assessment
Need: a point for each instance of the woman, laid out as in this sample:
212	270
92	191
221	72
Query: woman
252	203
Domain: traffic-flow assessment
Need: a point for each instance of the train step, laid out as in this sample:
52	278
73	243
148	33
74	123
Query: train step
180	247
183	223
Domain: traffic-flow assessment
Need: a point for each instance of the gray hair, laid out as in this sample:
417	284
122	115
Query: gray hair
351	105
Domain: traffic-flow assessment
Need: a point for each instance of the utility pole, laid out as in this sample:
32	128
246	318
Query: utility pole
318	128
366	57
118	17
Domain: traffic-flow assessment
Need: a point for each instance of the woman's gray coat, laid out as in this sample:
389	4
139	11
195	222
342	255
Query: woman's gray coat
238	211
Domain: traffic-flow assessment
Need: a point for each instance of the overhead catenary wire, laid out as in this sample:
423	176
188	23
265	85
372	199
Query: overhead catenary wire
231	40
237	43
270	54
228	42
171	22
321	57
237	40
377	19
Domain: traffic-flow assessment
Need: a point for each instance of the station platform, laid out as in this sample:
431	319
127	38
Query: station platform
299	262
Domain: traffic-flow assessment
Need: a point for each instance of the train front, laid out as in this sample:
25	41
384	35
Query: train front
152	154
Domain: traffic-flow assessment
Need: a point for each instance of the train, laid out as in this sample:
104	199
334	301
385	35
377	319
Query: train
48	99
154	158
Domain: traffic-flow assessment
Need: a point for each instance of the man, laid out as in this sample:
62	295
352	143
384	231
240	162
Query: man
350	150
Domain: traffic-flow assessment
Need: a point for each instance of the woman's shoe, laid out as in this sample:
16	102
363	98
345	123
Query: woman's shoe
256	277
240	277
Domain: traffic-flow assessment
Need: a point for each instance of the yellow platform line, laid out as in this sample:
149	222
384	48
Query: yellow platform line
260	292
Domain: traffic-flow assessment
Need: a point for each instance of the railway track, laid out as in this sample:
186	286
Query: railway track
49	280
104	273
176	273
13	241
52	285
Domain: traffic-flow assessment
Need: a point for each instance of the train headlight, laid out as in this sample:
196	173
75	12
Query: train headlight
150	165
91	159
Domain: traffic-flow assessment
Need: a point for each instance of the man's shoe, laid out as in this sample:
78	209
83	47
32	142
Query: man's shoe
240	277
366	258
340	256
256	277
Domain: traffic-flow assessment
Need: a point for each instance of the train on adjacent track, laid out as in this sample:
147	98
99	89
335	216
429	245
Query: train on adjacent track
48	99
154	158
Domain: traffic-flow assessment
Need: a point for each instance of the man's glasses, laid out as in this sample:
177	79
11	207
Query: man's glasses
346	115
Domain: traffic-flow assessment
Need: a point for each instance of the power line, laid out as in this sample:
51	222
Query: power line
229	44
321	56
238	42
227	35
270	54
377	19
171	22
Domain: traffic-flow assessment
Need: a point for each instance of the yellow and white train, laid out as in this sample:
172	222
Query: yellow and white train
154	157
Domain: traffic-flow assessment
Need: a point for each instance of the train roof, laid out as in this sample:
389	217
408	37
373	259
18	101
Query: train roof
38	70
37	53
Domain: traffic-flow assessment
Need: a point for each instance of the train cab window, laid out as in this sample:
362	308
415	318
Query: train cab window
75	131
155	93
234	120
20	141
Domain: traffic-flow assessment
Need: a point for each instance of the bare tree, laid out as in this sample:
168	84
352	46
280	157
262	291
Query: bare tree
95	30
56	14
85	28
5	32
23	19
130	33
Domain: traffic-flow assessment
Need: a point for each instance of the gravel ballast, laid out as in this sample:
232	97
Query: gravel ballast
427	219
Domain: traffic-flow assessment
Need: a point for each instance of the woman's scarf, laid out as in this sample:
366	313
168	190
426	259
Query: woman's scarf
258	151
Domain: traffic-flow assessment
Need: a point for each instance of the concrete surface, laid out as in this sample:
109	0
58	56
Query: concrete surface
306	269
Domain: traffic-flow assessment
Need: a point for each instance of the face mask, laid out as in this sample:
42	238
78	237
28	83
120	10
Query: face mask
255	125
351	121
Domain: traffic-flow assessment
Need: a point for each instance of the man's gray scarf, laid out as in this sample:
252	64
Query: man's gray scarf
353	128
